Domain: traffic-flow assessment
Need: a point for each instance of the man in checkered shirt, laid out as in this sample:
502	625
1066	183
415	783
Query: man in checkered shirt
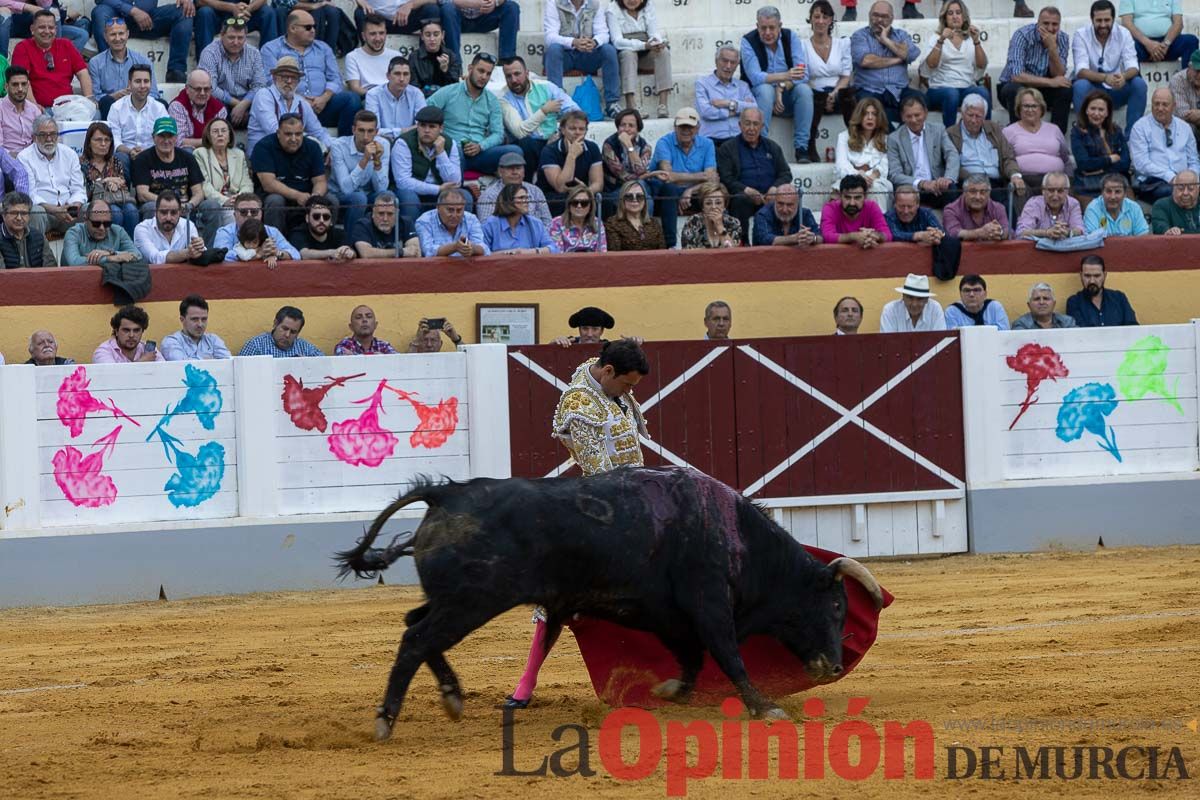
1037	57
283	340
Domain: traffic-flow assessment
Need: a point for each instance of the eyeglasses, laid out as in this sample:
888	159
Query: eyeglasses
307	27
199	88
635	198
321	217
1054	190
46	135
580	203
248	212
16	212
49	60
101	223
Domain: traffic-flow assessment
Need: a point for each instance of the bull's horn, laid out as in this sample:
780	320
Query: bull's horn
851	568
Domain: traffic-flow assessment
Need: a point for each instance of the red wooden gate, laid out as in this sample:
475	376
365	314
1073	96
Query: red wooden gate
794	417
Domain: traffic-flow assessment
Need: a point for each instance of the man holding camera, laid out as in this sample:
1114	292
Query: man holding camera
428	338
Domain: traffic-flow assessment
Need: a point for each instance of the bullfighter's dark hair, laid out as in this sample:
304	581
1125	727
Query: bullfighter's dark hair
135	314
625	356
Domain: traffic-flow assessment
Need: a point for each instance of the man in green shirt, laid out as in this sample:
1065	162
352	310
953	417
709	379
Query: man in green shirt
1178	214
97	241
473	118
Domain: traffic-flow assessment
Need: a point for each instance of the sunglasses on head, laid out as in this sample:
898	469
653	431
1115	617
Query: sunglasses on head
234	22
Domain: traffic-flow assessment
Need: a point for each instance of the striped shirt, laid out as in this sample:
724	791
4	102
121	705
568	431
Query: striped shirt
264	345
1026	54
233	80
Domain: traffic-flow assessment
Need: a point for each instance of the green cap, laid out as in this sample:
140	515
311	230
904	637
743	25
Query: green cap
165	125
1195	62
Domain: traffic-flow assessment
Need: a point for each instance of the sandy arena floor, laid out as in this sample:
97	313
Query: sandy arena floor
272	696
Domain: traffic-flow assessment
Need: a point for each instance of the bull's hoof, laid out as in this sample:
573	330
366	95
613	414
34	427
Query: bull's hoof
672	689
383	729
452	702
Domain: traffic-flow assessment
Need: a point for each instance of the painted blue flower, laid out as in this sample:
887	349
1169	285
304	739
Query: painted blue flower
203	397
1086	408
199	476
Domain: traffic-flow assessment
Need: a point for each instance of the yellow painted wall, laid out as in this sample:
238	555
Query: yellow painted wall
784	308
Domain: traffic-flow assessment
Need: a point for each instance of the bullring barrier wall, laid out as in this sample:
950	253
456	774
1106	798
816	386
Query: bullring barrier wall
661	295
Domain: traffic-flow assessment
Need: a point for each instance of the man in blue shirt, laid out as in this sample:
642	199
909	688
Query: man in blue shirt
783	223
909	222
283	340
193	342
1095	306
1157	28
1113	212
256	15
451	230
1037	57
881	55
721	97
146	19
321	82
688	160
1161	145
396	102
250	206
975	307
773	64
360	166
109	69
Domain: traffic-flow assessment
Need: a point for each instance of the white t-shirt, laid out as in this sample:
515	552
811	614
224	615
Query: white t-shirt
367	69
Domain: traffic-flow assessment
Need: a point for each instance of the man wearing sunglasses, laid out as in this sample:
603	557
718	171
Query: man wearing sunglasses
52	62
254	15
96	241
247	207
148	20
321	82
319	240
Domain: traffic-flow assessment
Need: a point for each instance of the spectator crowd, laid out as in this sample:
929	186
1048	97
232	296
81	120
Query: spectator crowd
431	160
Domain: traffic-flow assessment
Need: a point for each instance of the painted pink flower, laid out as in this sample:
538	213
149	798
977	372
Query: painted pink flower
80	477
1037	363
436	423
304	405
75	402
362	441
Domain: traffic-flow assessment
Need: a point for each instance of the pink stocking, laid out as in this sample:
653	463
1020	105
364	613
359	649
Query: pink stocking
537	654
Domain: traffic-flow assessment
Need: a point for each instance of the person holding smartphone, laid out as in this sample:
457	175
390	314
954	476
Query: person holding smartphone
428	338
125	346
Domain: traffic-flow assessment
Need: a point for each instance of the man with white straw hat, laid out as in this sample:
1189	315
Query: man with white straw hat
914	311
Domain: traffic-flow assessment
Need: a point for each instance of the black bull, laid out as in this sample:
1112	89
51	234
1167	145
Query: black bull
670	551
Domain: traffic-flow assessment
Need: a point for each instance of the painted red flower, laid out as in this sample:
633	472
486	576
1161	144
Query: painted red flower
75	402
362	441
437	423
304	405
80	477
1037	363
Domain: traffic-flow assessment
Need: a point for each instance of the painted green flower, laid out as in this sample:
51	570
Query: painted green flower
1141	373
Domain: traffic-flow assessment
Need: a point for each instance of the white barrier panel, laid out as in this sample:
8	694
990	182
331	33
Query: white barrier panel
136	442
351	435
253	438
1080	403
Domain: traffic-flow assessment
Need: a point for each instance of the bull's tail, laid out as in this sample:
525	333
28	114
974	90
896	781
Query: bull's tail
366	561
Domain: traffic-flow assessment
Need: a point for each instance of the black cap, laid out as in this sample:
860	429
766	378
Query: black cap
591	316
431	114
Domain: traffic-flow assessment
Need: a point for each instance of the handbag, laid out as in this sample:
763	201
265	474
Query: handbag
587	97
